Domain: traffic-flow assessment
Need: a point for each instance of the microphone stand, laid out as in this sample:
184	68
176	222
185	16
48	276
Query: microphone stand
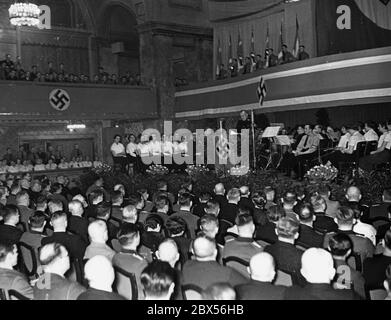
253	138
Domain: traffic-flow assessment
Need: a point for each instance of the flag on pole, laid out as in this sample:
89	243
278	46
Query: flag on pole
219	60
262	91
267	45
230	50
252	41
280	54
296	45
240	47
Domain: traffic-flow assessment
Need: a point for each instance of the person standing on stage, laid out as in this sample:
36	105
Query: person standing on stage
244	122
118	152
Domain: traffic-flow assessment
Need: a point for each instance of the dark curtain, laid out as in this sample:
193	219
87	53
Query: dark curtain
364	34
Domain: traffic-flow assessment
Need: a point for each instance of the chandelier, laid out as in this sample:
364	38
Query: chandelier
24	14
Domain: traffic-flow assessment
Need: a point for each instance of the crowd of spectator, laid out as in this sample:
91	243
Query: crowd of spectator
14	71
236	244
37	159
239	66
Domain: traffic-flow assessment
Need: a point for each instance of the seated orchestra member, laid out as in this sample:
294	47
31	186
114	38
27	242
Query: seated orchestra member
383	152
370	133
346	154
63	164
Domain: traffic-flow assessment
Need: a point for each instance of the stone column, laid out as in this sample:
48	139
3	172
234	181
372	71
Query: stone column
156	67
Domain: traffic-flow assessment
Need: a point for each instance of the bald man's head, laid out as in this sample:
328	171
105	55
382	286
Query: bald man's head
353	194
168	252
317	266
262	267
204	248
219	189
99	272
244	191
97	231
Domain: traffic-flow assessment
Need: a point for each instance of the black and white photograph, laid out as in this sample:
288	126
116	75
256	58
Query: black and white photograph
193	156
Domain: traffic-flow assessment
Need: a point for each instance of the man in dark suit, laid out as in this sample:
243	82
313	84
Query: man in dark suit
9	278
176	228
158	280
57	195
103	212
23	202
267	232
52	284
245	199
9	232
374	269
199	209
33	237
117	200
318	270
229	211
219	196
77	224
185	213
308	238
262	272
284	252
72	243
204	269
323	223
96	197
100	275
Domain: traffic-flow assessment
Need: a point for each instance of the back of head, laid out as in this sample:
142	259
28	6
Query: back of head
168	251
204	248
175	226
353	194
305	212
75	207
244	191
59	220
205	196
287	228
37	220
55	205
96	196
135	199
340	245
154	222
117	197
162	202
209	223
158	280
233	195
244	222
162	185
317	266
22	198
275	213
97	231
51	253
324	190
345	216
212	207
219	189
103	210
130	214
219	291
185	199
258	200
289	200
318	203
262	267
99	272
10	212
129	235
5	250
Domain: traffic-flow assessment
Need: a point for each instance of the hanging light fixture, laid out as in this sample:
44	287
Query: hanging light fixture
24	14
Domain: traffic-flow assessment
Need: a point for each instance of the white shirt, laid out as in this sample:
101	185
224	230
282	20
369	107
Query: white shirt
52	166
183	147
381	140
167	147
144	149
3	169
371	135
366	230
155	147
86	164
74	164
64	165
355	139
13	169
388	140
39	167
117	148
343	142
131	149
97	164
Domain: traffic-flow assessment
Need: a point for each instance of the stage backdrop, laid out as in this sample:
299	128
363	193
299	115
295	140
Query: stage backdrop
370	26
